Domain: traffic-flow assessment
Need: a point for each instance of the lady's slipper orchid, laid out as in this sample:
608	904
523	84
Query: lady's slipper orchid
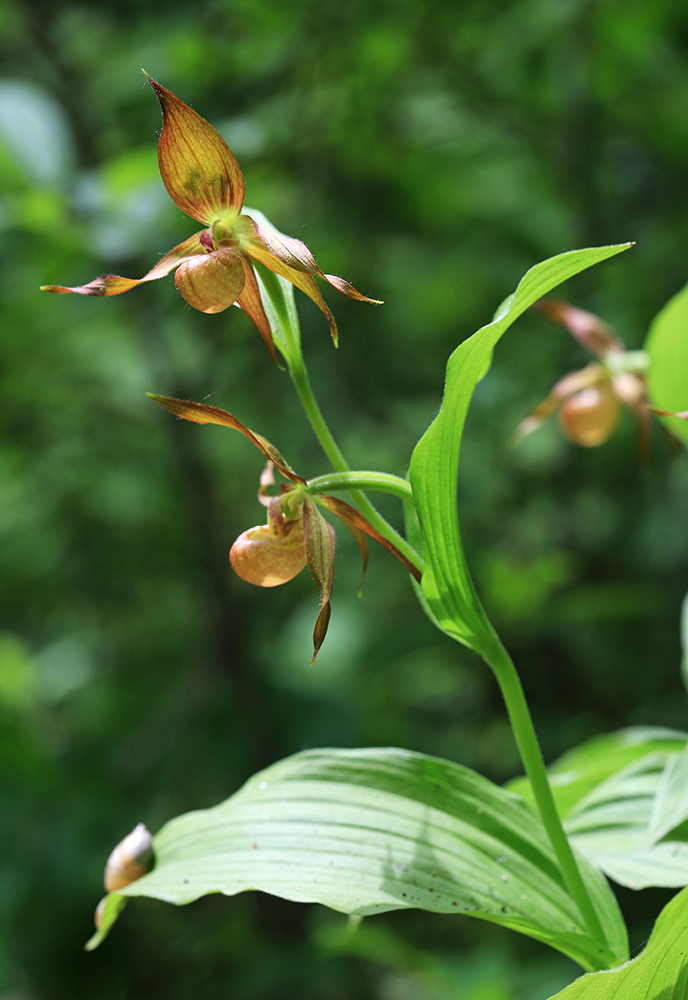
215	266
589	400
296	533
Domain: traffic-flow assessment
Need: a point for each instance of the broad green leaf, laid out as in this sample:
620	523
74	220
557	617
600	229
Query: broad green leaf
579	771
365	831
667	346
611	825
446	583
659	973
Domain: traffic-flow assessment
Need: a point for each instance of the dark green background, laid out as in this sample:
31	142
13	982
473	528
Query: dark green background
430	153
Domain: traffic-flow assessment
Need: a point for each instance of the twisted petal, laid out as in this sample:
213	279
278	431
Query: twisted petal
213	281
320	541
358	526
198	168
113	284
200	413
292	259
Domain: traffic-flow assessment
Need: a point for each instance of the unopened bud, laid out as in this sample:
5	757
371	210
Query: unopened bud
590	416
267	560
132	858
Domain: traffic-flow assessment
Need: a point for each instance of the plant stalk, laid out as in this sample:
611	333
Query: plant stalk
533	762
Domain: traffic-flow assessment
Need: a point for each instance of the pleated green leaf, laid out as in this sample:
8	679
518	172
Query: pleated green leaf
611	827
365	831
446	583
577	772
619	794
669	819
659	973
667	346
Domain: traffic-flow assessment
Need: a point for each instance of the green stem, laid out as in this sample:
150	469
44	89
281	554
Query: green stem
302	385
290	345
531	755
382	482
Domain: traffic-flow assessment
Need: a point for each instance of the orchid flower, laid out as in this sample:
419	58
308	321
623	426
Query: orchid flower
214	267
296	533
589	400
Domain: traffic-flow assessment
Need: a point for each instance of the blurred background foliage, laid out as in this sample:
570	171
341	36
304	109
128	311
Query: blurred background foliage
430	152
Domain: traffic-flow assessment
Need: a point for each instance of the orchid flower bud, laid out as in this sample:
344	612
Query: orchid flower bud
590	416
268	559
132	858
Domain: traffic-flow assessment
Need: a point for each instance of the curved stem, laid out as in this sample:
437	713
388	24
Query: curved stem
382	482
531	755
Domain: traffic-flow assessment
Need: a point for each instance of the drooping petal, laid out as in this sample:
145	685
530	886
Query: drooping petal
588	329
355	521
292	259
200	413
252	304
320	541
114	284
211	282
197	167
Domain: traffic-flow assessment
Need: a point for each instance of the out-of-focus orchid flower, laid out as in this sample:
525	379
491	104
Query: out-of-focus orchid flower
589	401
296	533
215	266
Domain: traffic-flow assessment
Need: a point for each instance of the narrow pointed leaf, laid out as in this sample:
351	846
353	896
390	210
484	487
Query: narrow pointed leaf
659	973
199	413
197	167
446	583
365	831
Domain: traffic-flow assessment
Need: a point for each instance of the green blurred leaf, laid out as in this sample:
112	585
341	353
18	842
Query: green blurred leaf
684	641
667	346
660	973
447	584
112	906
35	131
365	831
